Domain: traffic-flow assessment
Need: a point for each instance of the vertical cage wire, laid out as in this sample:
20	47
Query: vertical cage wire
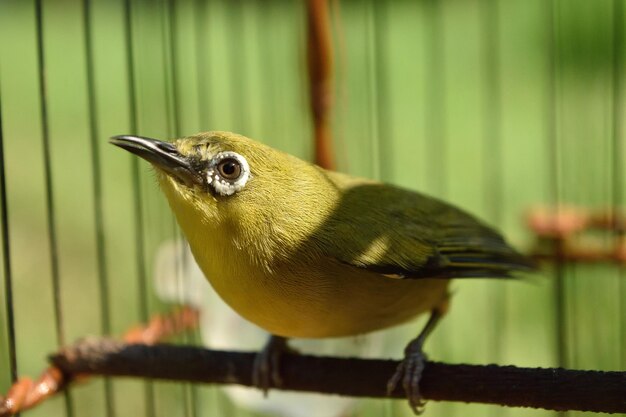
618	147
6	263
102	276
50	206
553	150
142	301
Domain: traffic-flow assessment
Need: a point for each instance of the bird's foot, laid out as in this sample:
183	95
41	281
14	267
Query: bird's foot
266	370
409	371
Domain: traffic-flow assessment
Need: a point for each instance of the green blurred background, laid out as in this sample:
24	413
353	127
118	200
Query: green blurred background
495	105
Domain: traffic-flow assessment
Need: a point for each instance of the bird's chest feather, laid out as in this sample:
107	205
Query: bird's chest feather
312	297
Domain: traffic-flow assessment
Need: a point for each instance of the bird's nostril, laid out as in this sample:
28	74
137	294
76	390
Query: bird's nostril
168	147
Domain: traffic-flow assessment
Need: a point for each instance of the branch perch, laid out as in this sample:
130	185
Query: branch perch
552	389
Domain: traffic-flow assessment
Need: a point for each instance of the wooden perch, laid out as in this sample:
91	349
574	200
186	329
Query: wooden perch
552	389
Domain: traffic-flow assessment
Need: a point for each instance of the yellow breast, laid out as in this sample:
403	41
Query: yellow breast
324	299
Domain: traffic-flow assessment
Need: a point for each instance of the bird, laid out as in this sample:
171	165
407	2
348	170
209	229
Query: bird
304	252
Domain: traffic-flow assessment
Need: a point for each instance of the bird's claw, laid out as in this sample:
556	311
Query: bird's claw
409	371
266	369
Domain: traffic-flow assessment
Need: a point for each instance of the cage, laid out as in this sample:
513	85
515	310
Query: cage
496	106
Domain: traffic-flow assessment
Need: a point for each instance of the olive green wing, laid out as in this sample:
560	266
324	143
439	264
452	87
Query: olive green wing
404	234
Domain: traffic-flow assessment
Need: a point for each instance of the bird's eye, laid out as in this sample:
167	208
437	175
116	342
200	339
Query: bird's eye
229	169
227	173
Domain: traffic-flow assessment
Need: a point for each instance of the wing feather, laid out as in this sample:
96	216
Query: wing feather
401	233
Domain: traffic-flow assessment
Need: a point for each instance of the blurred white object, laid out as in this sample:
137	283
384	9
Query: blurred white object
179	280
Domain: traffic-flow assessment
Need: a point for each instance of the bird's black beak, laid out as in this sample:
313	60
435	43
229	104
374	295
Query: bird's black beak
162	155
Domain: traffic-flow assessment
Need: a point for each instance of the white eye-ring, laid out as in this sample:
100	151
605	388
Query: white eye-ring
228	173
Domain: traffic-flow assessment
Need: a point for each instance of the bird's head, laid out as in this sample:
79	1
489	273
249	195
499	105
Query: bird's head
227	181
211	172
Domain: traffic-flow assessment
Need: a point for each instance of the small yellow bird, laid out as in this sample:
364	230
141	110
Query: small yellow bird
308	253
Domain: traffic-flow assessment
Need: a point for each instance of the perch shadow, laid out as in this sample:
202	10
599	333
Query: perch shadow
552	389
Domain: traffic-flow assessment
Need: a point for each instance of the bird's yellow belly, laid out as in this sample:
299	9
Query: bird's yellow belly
330	300
304	297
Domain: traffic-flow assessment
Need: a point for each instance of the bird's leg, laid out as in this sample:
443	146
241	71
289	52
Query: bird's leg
410	370
266	370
